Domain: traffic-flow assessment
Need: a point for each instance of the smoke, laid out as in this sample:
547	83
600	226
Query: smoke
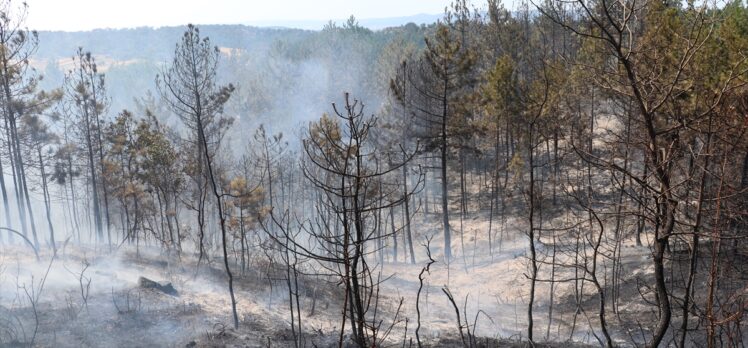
91	297
90	293
284	80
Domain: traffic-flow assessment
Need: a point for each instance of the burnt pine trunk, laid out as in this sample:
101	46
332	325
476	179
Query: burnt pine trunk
28	201
6	205
693	262
445	190
531	233
222	217
12	137
101	157
45	192
90	157
407	215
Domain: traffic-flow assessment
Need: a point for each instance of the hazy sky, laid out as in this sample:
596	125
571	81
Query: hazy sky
90	14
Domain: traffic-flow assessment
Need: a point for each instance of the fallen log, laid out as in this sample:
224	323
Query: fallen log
164	287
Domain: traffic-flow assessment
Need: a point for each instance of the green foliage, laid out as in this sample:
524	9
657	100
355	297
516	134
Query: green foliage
500	90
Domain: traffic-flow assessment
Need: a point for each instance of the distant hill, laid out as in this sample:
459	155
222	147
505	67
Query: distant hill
283	75
371	23
157	43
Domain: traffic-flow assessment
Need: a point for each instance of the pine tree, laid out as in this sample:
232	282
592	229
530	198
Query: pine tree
430	88
189	88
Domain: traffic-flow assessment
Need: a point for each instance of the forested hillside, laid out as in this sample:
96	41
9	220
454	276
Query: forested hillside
566	174
310	67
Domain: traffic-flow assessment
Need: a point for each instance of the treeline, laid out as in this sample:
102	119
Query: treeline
602	126
264	63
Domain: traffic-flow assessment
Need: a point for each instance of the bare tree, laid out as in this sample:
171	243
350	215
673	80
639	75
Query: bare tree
189	87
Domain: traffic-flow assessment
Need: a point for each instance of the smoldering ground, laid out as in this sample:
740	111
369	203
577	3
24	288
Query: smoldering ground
84	297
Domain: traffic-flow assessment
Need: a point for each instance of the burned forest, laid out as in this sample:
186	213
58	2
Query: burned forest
519	174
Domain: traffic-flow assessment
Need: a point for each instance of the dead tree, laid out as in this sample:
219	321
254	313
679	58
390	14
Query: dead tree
341	164
190	90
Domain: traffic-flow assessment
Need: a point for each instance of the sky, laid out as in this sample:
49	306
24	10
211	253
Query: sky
74	15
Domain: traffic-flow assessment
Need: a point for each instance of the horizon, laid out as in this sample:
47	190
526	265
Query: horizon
310	24
72	16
